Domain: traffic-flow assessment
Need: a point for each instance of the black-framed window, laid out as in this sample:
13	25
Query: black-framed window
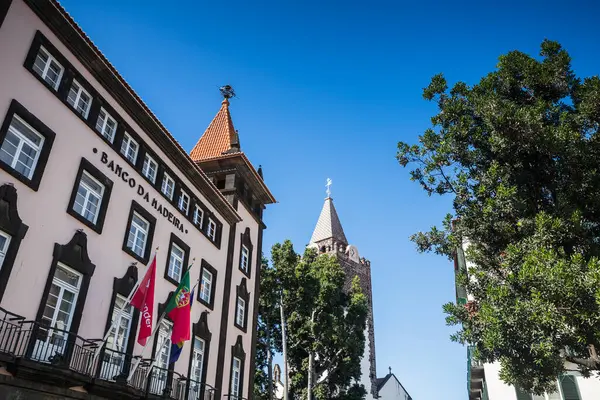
46	63
160	379
242	303
150	168
198	217
117	354
236	375
246	247
48	68
208	284
177	259
162	375
139	233
130	148
184	202
25	144
199	355
63	299
80	99
90	196
12	231
106	125
167	187
211	229
84	101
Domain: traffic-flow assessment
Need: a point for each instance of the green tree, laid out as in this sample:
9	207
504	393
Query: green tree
269	332
322	320
519	154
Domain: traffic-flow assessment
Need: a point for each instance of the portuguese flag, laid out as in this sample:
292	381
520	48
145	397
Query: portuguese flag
179	310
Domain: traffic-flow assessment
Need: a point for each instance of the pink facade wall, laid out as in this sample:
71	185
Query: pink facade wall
45	210
236	279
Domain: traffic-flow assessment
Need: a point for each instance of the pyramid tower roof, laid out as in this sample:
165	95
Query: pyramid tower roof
329	225
219	138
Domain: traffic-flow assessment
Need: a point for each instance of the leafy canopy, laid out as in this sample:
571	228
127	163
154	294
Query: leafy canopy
320	318
269	331
519	154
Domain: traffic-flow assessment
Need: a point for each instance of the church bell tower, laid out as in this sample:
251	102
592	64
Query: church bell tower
329	238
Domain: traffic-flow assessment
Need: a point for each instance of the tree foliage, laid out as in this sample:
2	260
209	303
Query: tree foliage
519	154
269	331
320	318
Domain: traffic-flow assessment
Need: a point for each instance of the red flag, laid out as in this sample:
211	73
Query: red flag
143	300
178	309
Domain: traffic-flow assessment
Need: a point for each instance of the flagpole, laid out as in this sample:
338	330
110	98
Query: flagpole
137	363
162	345
125	304
162	316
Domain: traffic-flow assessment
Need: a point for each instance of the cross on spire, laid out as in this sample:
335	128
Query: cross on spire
328	185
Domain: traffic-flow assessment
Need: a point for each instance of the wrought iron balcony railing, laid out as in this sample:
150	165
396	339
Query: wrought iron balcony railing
39	343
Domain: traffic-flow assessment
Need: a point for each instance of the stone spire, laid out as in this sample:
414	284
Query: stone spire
328	225
219	138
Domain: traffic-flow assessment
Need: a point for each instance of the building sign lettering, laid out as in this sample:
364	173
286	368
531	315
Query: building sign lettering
127	178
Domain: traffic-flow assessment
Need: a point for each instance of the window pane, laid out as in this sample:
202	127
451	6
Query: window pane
53	74
211	229
72	98
26	131
139	221
92	184
138	233
176	262
241	305
88	198
79	99
106	125
9	148
129	148
168	186
67	276
569	388
4	242
62	298
21	146
100	122
206	285
163	350
84	104
235	377
149	168
27	156
198	213
40	62
121	322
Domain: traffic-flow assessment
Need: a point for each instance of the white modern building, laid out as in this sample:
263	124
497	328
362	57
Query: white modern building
483	380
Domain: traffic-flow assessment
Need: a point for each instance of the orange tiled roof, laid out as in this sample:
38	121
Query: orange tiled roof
219	137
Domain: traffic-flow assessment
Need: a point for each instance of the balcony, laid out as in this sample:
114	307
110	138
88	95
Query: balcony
475	377
36	352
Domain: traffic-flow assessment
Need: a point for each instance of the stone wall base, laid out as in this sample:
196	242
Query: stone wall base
19	389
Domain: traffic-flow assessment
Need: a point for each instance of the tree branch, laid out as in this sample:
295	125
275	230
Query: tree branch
585	362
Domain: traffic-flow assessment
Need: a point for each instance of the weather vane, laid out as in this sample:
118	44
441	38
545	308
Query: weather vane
227	91
328	185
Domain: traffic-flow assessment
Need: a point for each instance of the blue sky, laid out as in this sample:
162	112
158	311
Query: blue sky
327	89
